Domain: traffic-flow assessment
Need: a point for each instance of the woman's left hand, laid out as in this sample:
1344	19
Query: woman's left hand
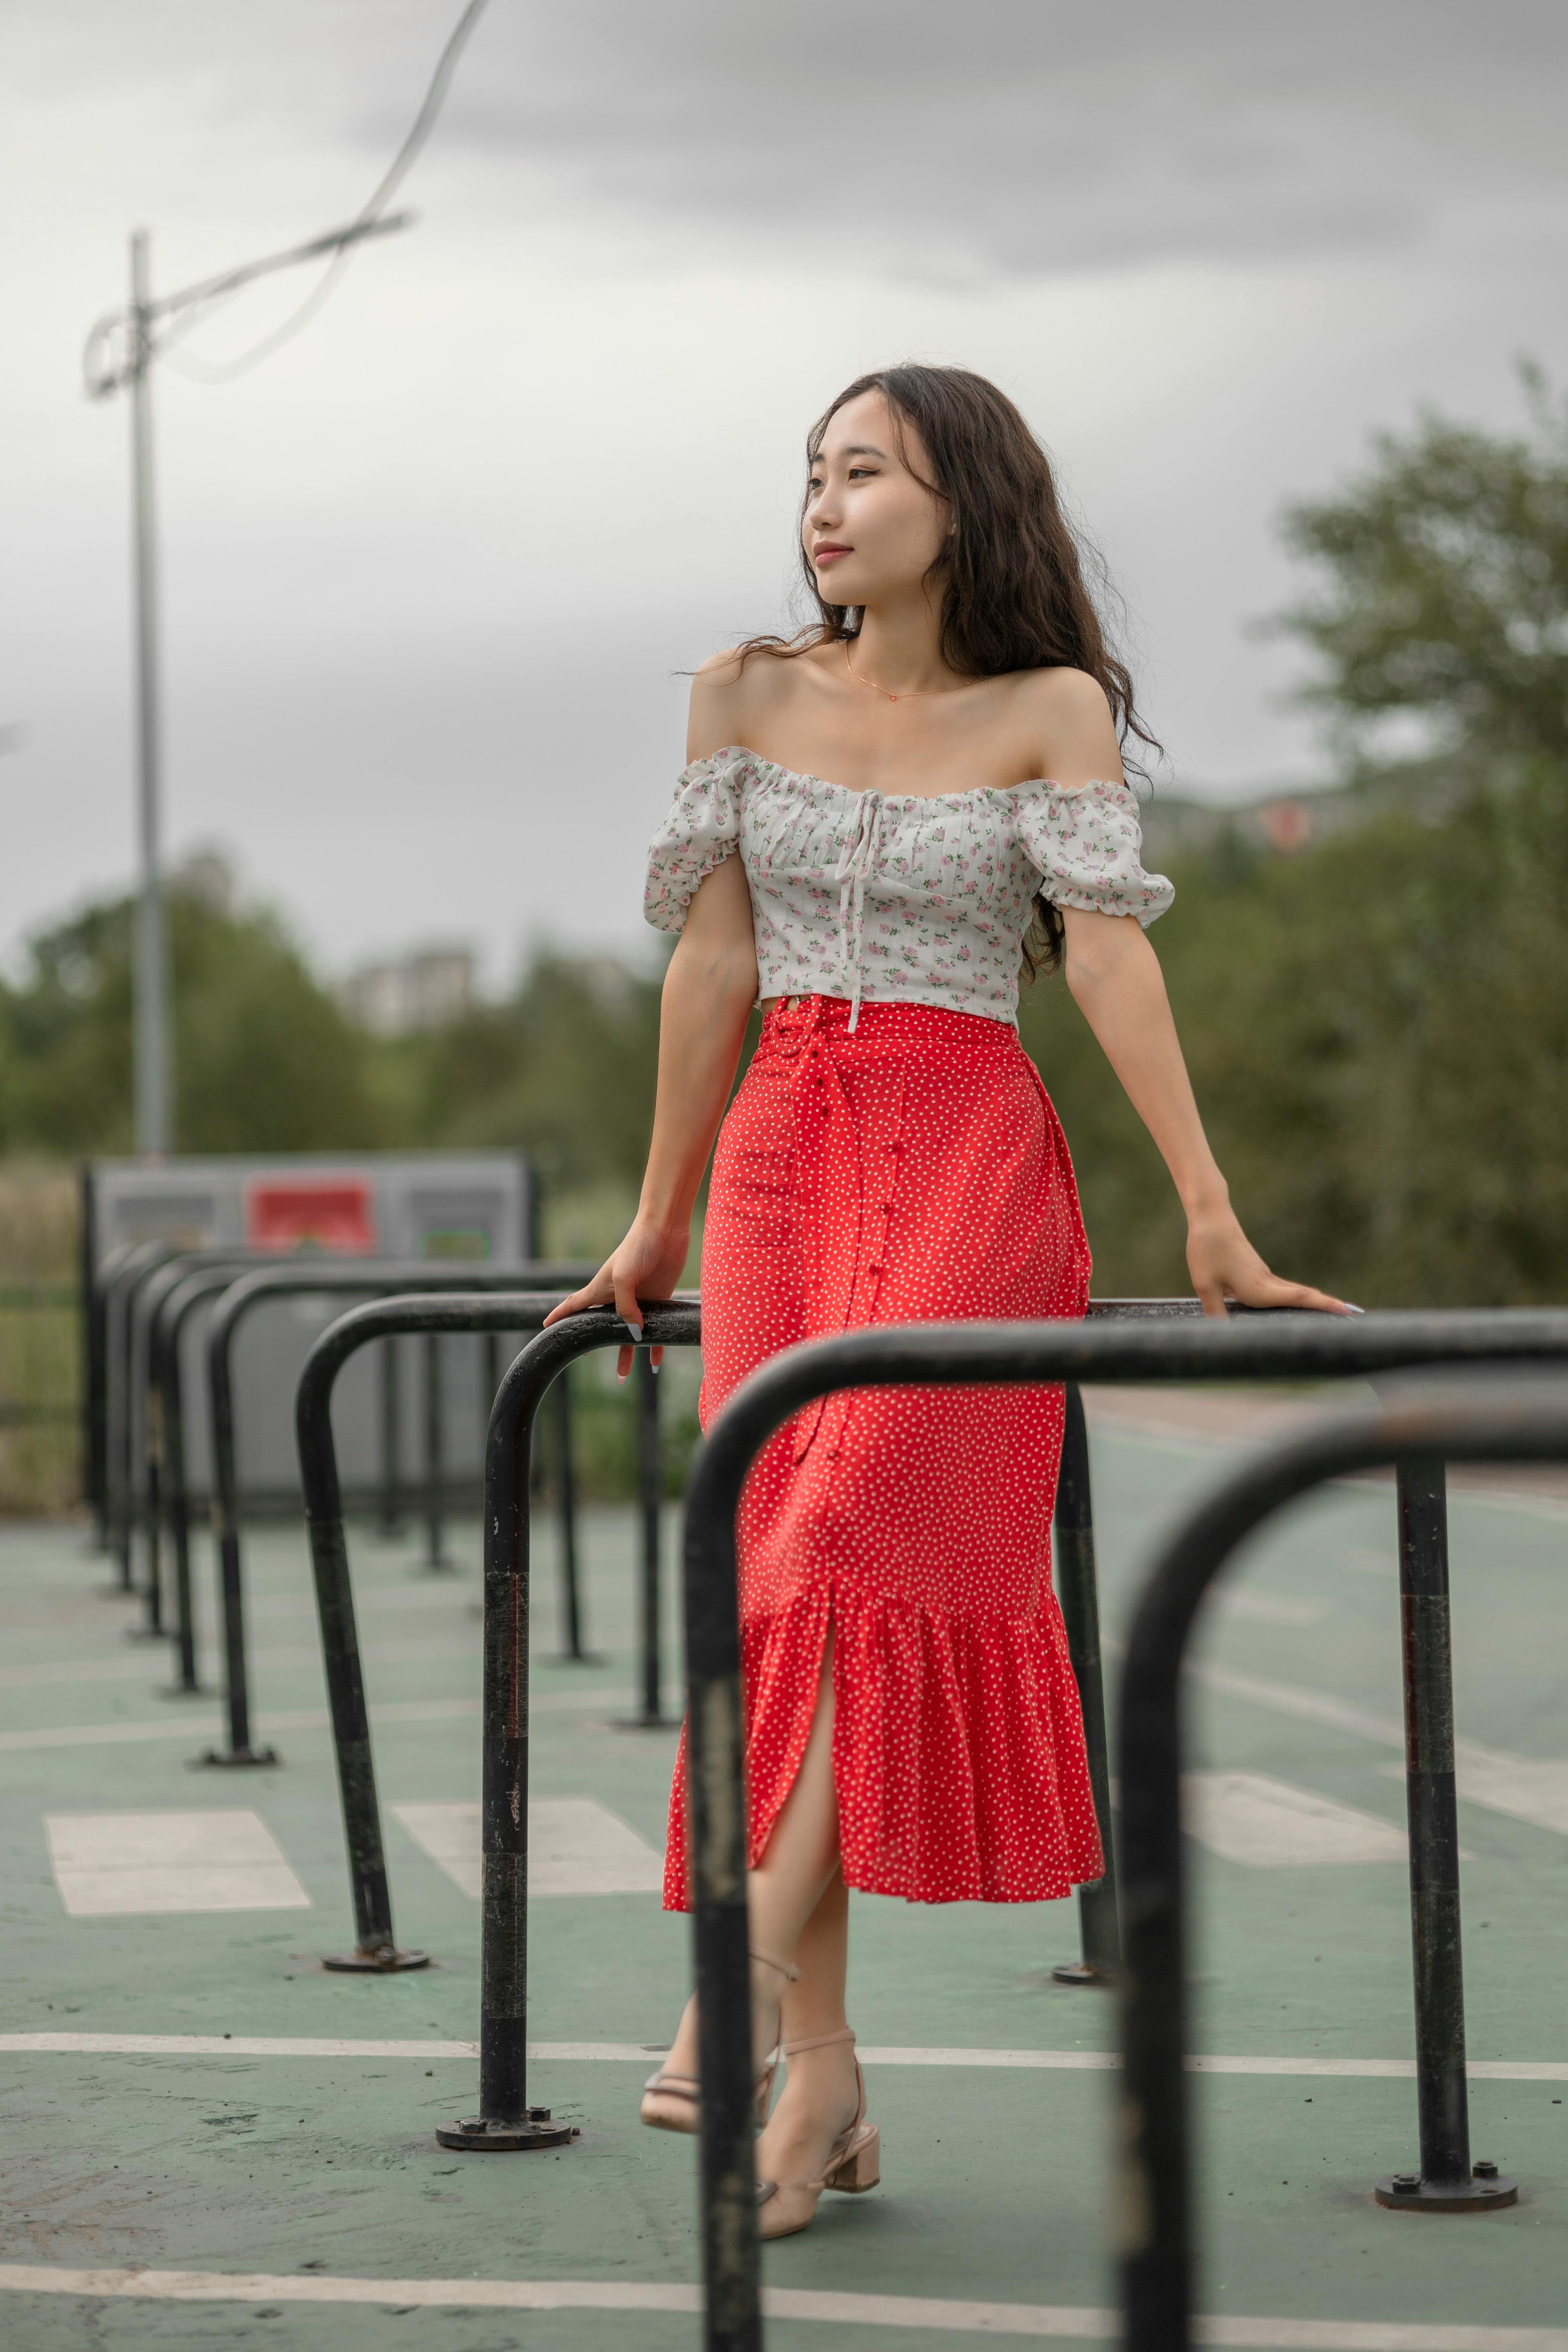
1224	1265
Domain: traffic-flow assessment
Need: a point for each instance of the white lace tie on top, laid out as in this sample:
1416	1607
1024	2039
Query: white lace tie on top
897	897
853	867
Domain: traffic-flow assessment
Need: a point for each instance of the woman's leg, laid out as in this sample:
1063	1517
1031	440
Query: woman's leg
799	1866
819	2093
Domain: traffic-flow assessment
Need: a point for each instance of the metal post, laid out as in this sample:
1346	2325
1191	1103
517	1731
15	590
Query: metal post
154	1064
506	2123
152	1626
1077	1590
170	1406
231	1590
92	1356
1442	2092
390	1522
139	1263
572	1649
435	1455
376	1951
650	1503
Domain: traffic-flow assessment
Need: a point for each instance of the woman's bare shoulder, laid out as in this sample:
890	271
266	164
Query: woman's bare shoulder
734	694
1070	721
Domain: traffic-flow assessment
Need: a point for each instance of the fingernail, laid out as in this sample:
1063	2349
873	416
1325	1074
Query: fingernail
634	1328
619	1374
658	1367
1352	1310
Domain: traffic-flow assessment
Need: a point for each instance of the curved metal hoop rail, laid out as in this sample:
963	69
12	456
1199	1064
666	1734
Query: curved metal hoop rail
1155	2143
1254	1347
240	1300
376	1947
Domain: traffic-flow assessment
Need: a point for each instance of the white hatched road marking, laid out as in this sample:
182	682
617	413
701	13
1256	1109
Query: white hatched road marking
1039	2321
1528	1789
220	1859
1268	1825
133	1669
637	2054
310	1718
1248	1607
575	1846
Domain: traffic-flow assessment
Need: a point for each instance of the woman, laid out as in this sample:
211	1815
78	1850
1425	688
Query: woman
913	1724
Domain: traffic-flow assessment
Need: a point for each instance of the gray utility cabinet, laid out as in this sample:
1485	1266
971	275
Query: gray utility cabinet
389	1205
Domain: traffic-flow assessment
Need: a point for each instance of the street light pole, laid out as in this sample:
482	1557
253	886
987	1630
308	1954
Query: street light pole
153	1049
120	349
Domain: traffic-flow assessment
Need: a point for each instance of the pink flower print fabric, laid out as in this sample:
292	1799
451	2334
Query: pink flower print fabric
893	898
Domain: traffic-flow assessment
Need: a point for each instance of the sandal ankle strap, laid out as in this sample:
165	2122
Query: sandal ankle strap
818	2041
785	1969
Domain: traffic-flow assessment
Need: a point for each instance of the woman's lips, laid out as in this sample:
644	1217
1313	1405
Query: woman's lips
831	554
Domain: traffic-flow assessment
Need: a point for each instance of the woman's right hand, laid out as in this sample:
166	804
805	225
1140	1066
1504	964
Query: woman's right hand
647	1265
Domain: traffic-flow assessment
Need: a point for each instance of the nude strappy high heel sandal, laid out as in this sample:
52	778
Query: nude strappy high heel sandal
674	2102
853	2161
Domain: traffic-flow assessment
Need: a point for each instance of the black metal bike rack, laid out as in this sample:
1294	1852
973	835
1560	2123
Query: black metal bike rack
376	1950
200	1278
144	1409
294	1280
1416	1441
1253	1348
505	2122
168	1489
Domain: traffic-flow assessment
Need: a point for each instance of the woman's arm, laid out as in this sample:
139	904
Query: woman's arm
1117	986
709	992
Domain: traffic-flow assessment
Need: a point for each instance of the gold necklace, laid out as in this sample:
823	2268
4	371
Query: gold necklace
887	692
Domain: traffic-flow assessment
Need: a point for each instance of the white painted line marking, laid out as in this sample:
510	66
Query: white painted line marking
1268	1825
1239	1602
575	1846
1038	2321
1528	1787
1529	1791
637	2054
1289	1699
217	1860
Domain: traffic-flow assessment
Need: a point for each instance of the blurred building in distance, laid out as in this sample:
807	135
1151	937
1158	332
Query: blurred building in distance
426	989
1284	823
208	876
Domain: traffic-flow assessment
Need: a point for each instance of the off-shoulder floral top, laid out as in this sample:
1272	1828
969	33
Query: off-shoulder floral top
891	897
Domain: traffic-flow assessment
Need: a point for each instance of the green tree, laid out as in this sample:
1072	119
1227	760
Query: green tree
1377	1027
564	1070
264	1060
1445	585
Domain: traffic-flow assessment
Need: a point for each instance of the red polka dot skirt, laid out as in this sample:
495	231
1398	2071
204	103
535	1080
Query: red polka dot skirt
912	1172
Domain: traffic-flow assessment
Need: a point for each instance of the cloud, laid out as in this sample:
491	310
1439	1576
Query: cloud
1030	136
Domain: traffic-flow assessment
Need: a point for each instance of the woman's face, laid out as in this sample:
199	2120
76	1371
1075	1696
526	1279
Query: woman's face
872	529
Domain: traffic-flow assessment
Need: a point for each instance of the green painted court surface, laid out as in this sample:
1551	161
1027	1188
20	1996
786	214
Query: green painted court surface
152	2169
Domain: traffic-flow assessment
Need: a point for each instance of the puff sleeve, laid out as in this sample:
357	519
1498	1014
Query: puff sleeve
1086	845
703	829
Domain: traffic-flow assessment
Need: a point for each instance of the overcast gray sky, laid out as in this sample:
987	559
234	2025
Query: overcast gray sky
429	573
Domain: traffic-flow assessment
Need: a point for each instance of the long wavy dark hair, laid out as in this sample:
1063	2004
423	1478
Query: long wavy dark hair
1014	590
